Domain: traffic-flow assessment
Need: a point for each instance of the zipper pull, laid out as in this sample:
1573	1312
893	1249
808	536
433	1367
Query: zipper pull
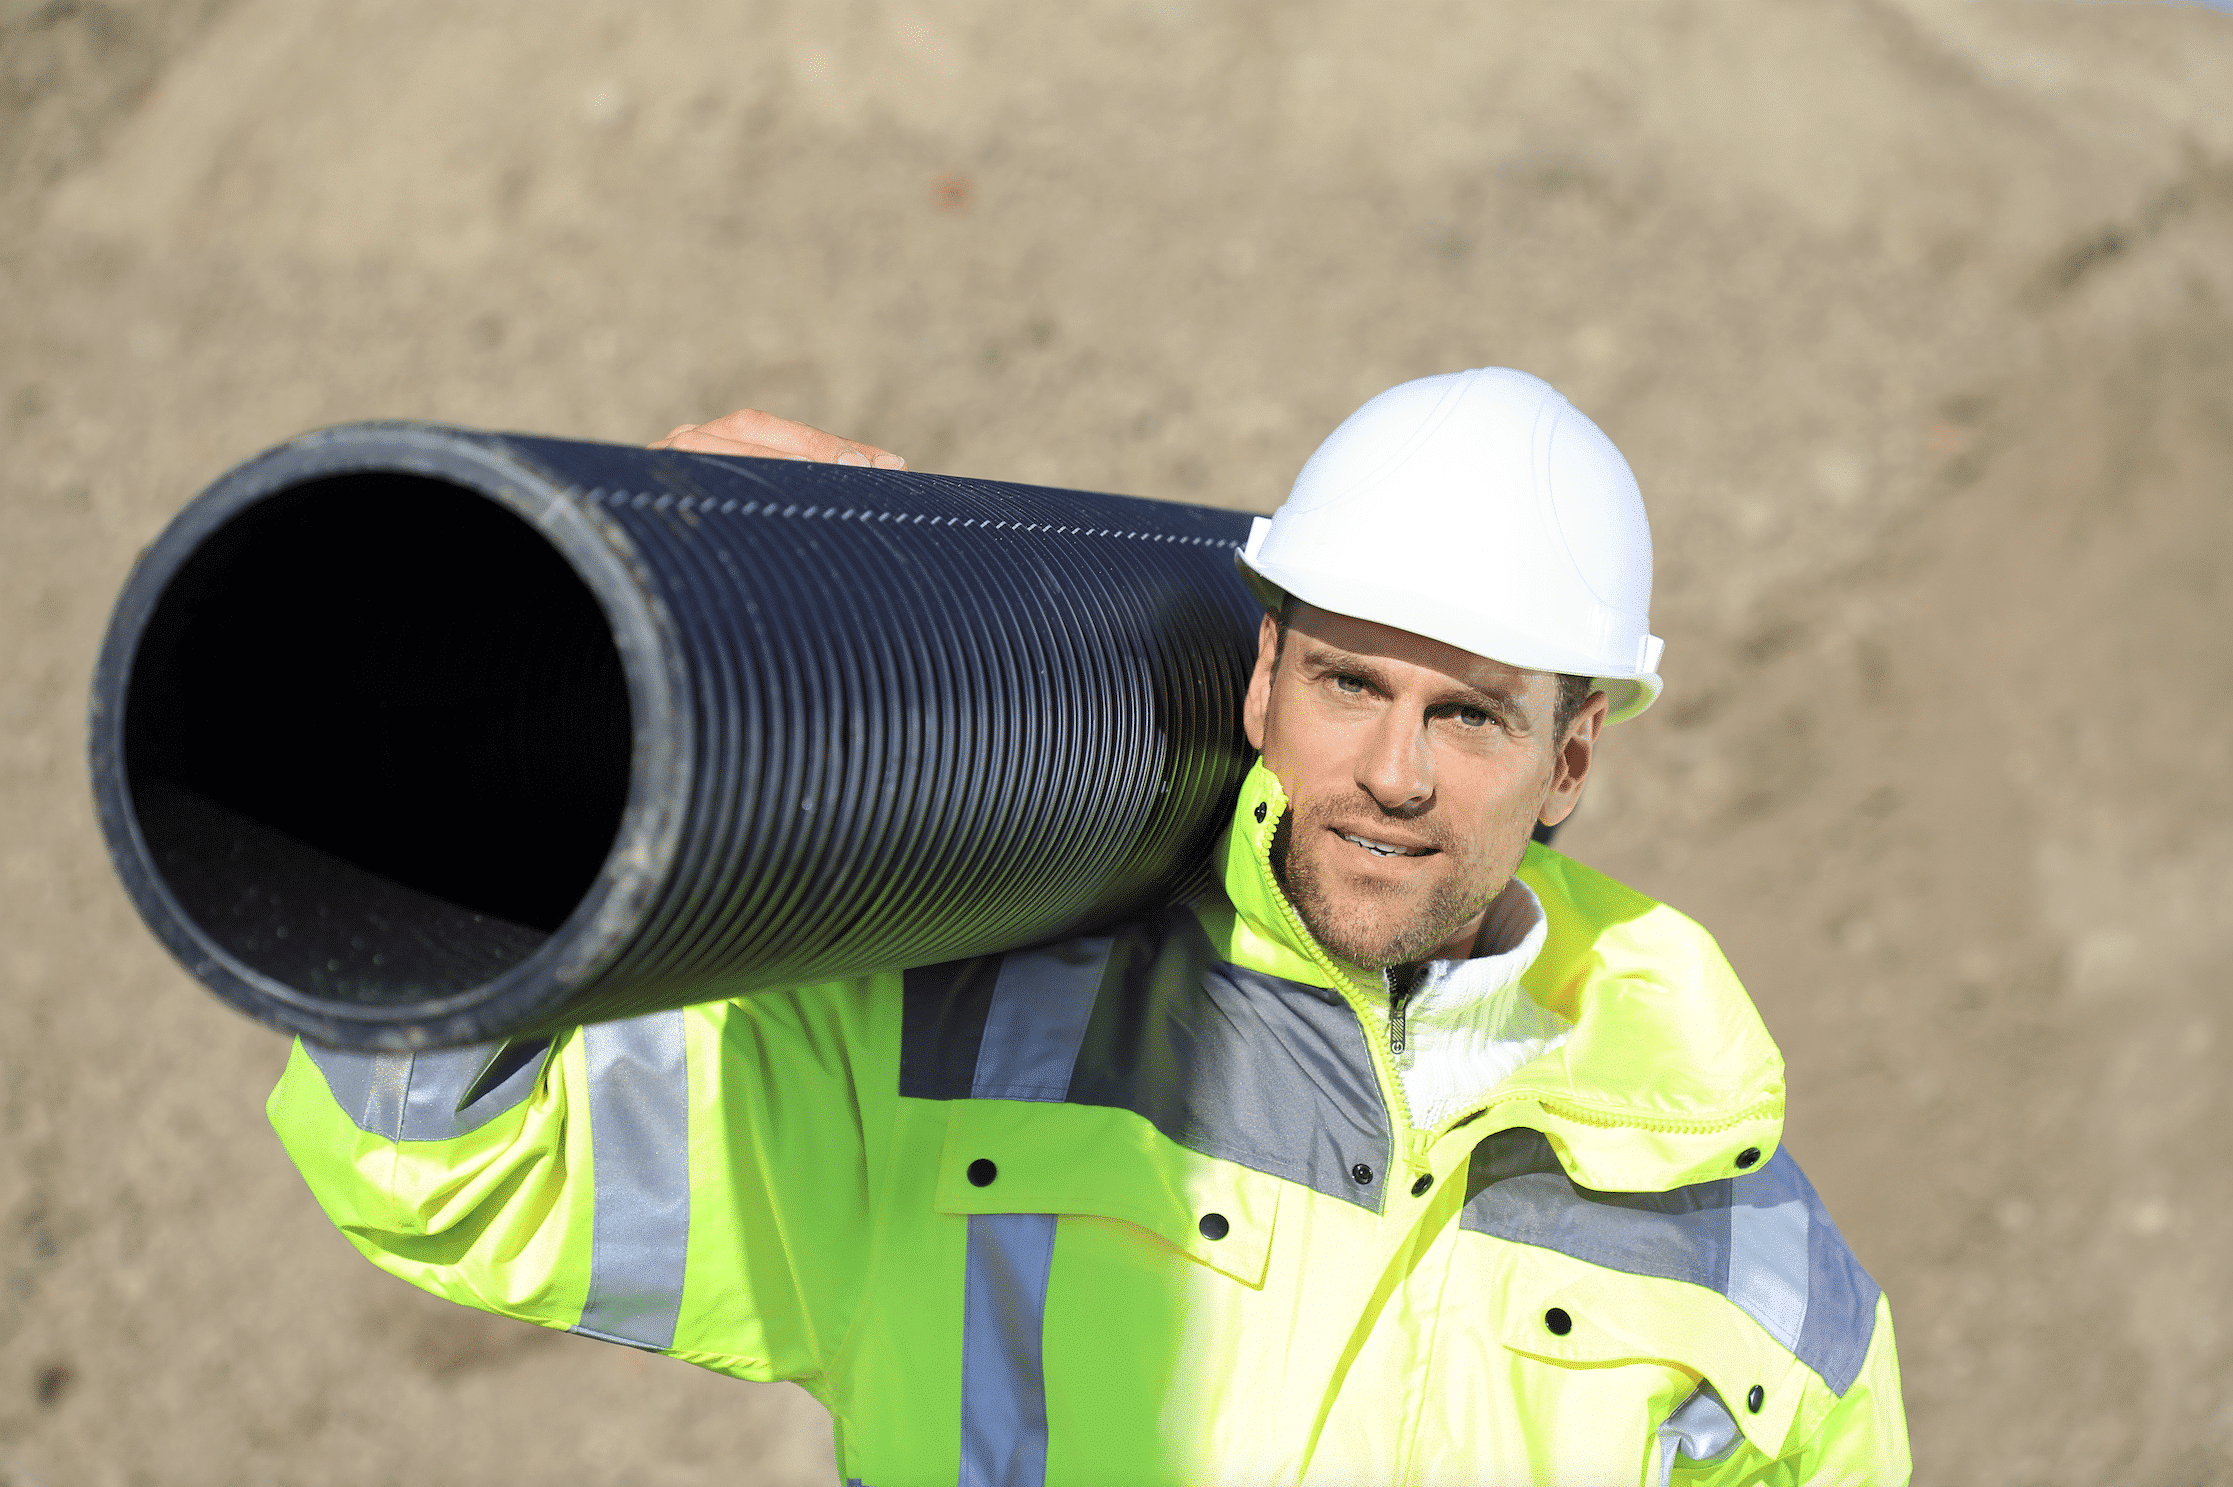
1397	996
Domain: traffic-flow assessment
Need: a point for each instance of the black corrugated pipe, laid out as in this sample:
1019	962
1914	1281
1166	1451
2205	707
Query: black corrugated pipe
409	736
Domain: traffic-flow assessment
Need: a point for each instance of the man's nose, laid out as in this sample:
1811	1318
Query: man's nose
1397	769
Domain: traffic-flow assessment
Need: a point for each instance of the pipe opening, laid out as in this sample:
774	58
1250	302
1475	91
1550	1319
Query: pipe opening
377	737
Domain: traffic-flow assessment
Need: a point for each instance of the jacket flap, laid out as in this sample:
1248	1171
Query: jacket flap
1089	1159
1611	1318
1669	1074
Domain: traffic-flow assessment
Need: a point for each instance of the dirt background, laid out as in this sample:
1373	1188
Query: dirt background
1916	321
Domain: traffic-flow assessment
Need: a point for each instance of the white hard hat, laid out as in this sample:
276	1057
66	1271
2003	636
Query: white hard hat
1483	510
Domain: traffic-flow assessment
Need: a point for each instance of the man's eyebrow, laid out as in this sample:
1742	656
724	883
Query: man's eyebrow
1323	657
1494	701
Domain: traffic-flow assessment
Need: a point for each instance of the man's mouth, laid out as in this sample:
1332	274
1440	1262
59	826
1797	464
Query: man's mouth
1383	849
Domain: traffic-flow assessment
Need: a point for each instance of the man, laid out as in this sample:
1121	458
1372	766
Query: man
1413	1152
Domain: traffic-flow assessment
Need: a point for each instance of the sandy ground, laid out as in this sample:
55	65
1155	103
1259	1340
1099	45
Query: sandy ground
1915	320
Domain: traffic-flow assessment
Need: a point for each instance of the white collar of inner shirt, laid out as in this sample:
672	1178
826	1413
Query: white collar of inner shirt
1468	1023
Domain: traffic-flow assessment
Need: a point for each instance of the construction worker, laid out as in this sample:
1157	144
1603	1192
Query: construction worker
1414	1152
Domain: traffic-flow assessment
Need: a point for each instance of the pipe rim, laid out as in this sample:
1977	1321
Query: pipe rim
645	845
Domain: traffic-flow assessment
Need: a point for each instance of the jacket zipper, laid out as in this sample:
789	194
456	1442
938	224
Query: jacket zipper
1391	1082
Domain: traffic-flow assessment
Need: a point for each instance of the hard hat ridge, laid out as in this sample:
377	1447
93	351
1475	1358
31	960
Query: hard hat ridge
1483	510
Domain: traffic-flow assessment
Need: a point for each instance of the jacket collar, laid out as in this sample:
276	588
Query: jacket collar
1667	1075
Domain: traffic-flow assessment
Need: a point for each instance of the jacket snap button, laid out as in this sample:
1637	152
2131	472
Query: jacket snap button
1748	1156
1558	1321
1259	812
1419	1188
1213	1226
982	1172
1755	1397
1360	1174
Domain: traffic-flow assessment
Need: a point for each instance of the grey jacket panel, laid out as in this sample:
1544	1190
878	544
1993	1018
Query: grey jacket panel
1270	1074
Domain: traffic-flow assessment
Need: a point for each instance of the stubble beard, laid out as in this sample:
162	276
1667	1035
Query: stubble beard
1374	927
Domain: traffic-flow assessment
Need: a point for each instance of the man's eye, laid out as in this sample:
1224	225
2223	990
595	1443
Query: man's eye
1472	717
1350	684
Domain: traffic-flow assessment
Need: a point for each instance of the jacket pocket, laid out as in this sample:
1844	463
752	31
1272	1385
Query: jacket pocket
1028	1157
1584	1316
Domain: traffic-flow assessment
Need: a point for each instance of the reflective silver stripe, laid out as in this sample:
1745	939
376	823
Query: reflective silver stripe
414	1096
1768	1266
639	1132
387	1088
1763	1240
1003	1386
1700	1430
1041	1004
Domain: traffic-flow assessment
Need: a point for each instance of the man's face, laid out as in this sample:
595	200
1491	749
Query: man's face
1416	773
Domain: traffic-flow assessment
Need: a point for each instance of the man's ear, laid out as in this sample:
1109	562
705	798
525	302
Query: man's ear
1259	703
1575	755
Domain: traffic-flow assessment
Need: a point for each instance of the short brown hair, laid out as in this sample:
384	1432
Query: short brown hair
1574	693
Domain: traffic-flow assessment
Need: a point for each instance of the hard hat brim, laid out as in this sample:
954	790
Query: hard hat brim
1625	696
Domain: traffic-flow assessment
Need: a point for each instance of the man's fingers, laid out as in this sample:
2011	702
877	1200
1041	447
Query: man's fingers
694	439
780	438
751	426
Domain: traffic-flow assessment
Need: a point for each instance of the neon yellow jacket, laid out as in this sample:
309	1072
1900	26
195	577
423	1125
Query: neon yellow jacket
1149	1208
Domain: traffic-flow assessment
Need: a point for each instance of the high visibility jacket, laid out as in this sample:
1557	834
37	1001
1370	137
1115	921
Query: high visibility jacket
1150	1208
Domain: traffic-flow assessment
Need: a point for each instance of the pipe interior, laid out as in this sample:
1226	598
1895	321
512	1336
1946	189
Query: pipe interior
377	737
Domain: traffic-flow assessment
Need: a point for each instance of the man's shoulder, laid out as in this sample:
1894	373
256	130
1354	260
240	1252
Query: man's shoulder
1009	1025
1601	929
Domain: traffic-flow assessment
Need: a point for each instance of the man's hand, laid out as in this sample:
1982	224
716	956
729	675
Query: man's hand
765	436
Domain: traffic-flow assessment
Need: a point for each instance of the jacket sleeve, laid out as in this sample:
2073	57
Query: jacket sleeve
1861	1441
693	1182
